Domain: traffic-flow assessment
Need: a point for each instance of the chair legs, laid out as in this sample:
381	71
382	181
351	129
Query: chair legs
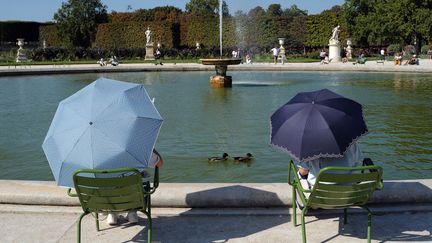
149	229
97	221
369	228
294	204
79	226
303	225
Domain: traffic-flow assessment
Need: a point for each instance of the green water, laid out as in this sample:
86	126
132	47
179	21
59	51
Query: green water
201	122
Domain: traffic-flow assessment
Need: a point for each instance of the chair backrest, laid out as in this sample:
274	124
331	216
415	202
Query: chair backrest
341	187
109	190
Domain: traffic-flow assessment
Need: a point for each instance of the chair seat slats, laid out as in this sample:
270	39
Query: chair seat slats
117	206
344	194
107	182
109	192
350	187
341	178
337	201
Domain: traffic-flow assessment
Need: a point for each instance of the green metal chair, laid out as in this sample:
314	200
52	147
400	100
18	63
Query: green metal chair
336	188
118	190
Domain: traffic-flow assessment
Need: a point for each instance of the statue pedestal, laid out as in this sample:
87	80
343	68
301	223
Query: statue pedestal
149	52
21	55
219	81
334	51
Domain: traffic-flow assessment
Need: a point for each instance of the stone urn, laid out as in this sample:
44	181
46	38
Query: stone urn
198	45
281	42
282	50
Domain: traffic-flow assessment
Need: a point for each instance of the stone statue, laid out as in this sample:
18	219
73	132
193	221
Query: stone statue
149	36
335	34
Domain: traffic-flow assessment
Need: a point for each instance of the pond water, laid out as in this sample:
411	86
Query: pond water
201	122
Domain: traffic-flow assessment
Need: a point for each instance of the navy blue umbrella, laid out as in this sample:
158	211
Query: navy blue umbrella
318	124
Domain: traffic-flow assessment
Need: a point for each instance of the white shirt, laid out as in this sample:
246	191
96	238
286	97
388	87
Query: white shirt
351	158
275	51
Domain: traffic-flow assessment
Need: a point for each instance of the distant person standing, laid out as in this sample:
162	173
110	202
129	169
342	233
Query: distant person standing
158	56
382	54
275	52
322	55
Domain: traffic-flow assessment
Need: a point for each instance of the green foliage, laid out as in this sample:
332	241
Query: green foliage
11	30
78	19
425	49
319	28
393	48
50	34
206	8
294	11
132	34
167	13
206	31
377	22
274	10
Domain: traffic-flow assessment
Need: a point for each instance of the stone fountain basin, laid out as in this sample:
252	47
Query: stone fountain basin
222	62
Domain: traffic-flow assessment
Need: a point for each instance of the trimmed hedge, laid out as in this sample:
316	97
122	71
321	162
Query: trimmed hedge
50	34
11	30
132	34
205	30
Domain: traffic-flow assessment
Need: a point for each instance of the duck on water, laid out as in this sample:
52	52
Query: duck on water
246	158
216	158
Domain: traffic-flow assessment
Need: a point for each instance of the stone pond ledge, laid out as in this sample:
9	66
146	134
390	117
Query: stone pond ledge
210	195
370	66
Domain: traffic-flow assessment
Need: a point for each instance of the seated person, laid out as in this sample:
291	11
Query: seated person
360	60
101	62
155	161
309	170
398	59
413	61
114	61
326	60
248	59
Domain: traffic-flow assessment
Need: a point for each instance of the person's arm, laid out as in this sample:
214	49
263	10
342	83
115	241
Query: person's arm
160	161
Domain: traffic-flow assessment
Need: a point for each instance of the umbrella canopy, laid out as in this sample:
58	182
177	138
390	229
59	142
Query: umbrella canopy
108	124
319	124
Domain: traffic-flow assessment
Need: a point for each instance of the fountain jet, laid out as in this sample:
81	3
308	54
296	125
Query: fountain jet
221	80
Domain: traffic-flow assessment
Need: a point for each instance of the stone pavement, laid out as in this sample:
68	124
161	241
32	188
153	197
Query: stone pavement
370	66
391	223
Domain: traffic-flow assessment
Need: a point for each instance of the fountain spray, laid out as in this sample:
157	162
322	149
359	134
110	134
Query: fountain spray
220	27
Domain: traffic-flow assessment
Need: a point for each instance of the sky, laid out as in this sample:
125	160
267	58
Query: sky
43	10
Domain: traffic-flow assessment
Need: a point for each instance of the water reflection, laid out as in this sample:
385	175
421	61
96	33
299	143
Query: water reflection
201	122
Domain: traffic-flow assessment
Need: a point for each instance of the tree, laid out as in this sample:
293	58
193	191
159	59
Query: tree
206	7
274	10
77	20
377	22
294	11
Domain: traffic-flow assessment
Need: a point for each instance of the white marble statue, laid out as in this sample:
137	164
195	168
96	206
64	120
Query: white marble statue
149	36
335	34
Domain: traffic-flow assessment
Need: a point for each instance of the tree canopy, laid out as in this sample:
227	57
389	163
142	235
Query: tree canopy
77	20
206	7
375	22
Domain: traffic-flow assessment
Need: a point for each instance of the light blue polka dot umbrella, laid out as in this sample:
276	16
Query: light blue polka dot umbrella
108	124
